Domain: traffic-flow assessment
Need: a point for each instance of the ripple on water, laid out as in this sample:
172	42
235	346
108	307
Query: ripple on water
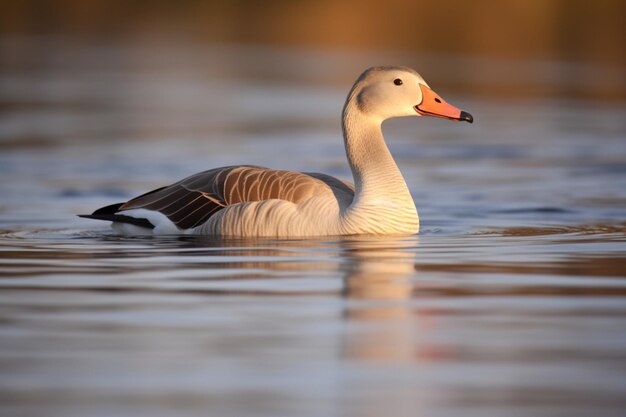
468	319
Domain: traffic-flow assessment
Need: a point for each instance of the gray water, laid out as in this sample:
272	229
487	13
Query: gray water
511	301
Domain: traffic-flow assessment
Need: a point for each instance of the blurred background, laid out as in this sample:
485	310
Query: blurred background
162	66
565	47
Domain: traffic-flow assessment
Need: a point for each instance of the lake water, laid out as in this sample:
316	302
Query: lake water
511	301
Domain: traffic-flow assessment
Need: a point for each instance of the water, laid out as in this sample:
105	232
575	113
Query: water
511	301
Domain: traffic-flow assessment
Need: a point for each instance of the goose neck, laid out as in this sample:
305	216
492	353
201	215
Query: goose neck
373	166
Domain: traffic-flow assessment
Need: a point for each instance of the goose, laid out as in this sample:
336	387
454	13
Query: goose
251	201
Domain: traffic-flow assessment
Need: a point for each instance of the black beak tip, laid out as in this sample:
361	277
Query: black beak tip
467	117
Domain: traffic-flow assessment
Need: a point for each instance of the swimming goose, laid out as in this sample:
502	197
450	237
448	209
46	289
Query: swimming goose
251	201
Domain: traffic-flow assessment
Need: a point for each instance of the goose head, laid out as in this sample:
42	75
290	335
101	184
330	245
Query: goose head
387	92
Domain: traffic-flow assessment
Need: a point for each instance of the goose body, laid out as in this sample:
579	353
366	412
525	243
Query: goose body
251	201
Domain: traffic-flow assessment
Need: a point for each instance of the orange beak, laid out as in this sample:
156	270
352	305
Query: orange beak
433	105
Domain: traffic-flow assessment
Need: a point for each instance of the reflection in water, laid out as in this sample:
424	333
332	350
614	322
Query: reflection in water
370	326
378	285
379	269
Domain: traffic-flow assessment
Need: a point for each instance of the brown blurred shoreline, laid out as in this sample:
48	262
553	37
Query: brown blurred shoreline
568	48
562	29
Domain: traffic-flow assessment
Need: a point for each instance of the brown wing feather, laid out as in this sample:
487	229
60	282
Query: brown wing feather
193	200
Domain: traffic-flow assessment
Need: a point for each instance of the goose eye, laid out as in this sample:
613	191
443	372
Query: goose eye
397	81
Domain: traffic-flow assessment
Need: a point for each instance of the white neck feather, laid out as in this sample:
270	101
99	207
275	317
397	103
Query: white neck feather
382	201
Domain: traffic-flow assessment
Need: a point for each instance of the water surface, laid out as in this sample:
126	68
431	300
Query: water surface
511	301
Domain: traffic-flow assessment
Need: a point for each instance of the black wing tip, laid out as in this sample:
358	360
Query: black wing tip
120	218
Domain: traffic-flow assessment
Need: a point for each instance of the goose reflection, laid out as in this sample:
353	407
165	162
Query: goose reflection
370	268
379	269
376	278
378	287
